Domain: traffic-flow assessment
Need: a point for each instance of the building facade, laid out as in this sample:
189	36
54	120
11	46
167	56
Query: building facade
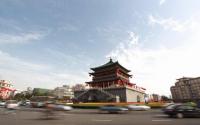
186	89
110	83
154	98
6	90
63	92
42	92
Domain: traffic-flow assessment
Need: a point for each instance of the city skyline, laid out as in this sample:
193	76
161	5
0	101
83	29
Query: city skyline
50	43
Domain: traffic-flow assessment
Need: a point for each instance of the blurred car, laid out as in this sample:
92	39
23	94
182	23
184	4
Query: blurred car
59	107
138	107
63	107
12	104
181	110
41	101
169	108
113	109
2	103
25	103
38	104
167	104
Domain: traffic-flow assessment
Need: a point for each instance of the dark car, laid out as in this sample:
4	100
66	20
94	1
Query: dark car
113	109
38	104
181	110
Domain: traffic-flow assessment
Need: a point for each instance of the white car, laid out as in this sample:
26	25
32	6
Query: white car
2	103
12	104
64	107
59	107
138	107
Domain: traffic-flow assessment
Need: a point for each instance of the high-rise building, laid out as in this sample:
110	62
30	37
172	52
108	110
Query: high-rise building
186	89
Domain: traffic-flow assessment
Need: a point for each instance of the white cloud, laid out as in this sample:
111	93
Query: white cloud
172	24
133	38
157	69
25	74
8	61
162	2
20	38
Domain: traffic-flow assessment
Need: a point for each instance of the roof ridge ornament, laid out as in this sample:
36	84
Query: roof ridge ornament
111	59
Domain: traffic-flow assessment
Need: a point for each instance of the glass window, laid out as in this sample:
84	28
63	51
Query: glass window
185	107
171	106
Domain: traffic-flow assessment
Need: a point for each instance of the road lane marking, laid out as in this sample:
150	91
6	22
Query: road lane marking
101	120
67	114
161	120
160	115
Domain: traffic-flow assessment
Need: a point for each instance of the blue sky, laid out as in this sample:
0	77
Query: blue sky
49	43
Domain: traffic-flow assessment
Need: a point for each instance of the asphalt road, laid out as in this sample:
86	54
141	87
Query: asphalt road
90	117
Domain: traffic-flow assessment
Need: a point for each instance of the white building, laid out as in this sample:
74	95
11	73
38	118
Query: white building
63	92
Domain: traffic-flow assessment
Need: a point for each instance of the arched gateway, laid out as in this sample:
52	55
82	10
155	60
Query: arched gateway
110	83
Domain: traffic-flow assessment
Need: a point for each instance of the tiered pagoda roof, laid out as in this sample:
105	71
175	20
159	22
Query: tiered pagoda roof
110	64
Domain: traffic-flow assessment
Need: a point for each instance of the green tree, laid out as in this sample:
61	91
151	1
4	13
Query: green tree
28	96
164	98
19	96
